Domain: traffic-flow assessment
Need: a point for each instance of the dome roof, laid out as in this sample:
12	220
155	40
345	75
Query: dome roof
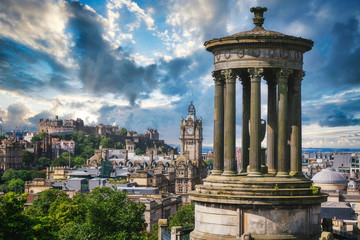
259	35
329	176
191	112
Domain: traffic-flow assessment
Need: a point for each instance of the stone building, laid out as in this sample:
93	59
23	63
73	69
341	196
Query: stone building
10	154
269	198
43	148
190	168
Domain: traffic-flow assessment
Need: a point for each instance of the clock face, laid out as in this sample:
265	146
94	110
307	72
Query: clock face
190	130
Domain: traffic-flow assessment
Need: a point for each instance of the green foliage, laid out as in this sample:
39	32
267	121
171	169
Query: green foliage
119	145
154	235
38	137
25	175
123	131
139	151
184	217
209	163
276	186
77	161
14	225
15	179
41	206
28	158
42	163
16	185
315	190
106	142
105	213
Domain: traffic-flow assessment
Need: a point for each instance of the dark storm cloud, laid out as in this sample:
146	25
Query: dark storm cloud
102	69
42	115
339	119
19	68
342	67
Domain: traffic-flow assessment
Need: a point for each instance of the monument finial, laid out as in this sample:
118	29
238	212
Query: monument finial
258	16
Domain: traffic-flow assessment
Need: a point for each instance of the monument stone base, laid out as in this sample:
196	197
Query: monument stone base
266	207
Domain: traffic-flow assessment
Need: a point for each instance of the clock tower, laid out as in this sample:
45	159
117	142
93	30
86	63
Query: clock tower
191	136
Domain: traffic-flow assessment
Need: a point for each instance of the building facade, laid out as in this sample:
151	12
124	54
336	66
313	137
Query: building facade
10	154
190	168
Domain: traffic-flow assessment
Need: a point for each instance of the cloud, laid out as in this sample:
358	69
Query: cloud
195	22
338	118
37	23
103	69
23	68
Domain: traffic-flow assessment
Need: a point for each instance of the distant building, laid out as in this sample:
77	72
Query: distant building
10	154
190	168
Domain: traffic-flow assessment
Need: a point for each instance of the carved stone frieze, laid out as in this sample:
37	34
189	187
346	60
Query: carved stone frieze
248	53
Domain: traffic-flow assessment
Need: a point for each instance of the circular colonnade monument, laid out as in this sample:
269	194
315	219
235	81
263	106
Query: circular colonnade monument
272	201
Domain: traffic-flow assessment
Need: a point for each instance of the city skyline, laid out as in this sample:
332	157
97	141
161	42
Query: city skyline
139	64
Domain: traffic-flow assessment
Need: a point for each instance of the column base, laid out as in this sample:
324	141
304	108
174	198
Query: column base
282	174
254	174
228	173
296	174
272	171
217	172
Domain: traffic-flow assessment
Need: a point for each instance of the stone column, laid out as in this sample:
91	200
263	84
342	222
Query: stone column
255	114
295	144
245	138
229	137
283	162
218	164
271	125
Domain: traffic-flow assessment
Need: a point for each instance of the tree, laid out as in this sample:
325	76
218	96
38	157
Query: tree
38	137
28	158
14	225
16	185
109	215
184	217
13	174
41	206
123	131
77	161
209	163
106	142
139	151
42	163
119	145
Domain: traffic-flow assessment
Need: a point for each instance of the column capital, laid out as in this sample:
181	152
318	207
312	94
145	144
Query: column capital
256	74
298	76
218	78
229	75
283	75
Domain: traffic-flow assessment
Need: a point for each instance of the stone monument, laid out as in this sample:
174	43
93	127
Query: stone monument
260	202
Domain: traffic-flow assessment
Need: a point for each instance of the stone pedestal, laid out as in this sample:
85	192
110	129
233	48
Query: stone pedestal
267	207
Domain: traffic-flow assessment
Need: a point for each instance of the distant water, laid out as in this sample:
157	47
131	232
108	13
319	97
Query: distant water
312	150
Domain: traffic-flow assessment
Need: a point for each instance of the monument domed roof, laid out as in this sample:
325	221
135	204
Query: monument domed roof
329	176
259	35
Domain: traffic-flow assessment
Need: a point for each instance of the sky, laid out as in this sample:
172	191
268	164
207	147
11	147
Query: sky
139	64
